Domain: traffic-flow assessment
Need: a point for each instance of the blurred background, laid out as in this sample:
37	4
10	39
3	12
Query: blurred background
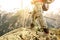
13	12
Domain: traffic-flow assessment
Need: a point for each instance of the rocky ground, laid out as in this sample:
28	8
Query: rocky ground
31	34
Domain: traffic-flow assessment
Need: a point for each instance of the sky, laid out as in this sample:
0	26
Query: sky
10	5
13	5
55	5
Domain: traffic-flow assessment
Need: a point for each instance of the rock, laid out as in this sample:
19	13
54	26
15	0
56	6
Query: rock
28	34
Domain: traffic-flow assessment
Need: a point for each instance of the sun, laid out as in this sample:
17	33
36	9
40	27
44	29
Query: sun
13	5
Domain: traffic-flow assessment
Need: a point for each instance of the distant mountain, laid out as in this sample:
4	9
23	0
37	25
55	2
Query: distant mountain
10	21
53	18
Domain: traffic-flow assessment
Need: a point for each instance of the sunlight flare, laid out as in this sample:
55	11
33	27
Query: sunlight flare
13	5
